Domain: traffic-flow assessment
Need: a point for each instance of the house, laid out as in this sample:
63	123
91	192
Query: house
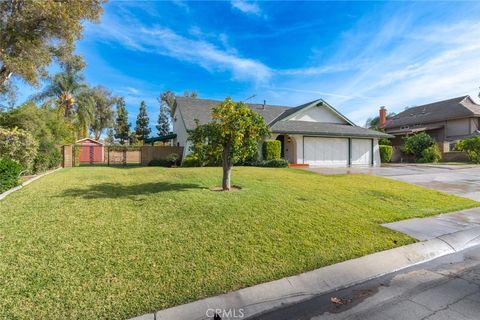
91	151
446	121
313	133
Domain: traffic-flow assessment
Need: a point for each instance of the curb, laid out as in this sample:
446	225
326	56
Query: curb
8	192
260	298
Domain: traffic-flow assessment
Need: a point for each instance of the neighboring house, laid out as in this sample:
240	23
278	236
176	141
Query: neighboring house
313	133
91	151
446	121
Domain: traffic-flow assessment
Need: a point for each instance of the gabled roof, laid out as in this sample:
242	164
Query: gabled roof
326	129
201	109
89	139
291	112
460	107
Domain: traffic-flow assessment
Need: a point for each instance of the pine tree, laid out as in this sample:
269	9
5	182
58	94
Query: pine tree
110	140
142	129
163	123
122	127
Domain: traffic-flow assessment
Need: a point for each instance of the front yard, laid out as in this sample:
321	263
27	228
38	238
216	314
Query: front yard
113	243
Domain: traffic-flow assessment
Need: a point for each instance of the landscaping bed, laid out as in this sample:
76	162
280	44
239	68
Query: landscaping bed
104	242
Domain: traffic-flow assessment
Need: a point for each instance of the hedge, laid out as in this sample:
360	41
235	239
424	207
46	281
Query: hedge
272	149
9	172
386	153
274	163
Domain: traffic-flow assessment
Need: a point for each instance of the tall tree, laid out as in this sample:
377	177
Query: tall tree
33	33
234	132
163	123
110	140
122	126
69	91
168	98
142	129
103	113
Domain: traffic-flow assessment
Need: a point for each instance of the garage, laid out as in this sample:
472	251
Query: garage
321	151
361	152
334	152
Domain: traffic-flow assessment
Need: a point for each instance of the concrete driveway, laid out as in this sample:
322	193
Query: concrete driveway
461	180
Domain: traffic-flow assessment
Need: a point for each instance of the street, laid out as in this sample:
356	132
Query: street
445	288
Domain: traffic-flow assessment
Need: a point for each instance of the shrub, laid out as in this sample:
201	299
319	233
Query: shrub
417	143
385	142
431	154
386	153
19	145
274	163
191	161
272	149
471	147
9	172
173	159
159	163
48	157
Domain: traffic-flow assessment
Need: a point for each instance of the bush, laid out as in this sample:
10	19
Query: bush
272	149
274	163
386	153
48	157
173	159
471	147
417	143
431	154
9	172
384	142
191	161
159	163
18	145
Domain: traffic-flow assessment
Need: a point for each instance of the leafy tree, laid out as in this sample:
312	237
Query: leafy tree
32	33
163	123
234	132
142	130
122	126
471	147
168	98
69	91
103	113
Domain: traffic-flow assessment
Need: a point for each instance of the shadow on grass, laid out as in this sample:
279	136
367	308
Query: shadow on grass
116	190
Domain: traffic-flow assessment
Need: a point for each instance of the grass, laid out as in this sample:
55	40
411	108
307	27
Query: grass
93	243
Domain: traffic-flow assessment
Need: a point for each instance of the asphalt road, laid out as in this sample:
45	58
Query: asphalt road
445	288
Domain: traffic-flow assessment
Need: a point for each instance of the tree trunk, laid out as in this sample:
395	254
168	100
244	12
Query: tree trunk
227	164
4	75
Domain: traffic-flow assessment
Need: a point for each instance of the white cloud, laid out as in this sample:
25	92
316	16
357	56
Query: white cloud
166	42
246	7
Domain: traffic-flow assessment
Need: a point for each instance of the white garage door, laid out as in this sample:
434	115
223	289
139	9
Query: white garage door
361	152
326	151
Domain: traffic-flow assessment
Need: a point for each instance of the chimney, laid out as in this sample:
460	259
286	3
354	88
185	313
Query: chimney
382	117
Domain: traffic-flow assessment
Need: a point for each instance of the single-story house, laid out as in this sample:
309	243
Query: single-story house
313	133
446	121
91	151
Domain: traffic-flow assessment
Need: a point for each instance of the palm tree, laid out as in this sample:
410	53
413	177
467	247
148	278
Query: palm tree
70	92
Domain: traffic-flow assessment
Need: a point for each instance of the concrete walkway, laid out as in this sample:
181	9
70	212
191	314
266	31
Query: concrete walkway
433	227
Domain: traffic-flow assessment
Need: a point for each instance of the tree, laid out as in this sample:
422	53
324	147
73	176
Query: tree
373	122
110	140
103	113
163	123
33	33
122	127
168	98
235	131
69	91
142	130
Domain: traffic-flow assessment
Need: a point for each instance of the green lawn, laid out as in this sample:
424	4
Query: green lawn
92	243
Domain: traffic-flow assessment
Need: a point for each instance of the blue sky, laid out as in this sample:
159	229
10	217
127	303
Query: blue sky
355	55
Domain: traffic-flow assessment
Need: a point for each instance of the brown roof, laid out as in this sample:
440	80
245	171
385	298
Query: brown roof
461	107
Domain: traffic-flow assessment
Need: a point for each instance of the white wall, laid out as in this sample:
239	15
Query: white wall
457	127
318	114
181	131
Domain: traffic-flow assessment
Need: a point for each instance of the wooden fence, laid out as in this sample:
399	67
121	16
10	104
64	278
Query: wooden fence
116	155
